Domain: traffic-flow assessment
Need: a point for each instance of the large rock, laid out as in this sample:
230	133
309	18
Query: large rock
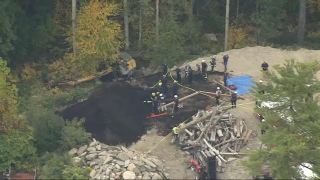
126	163
138	163
128	175
93	173
131	167
91	157
91	149
108	159
120	163
82	149
149	163
123	156
103	153
73	152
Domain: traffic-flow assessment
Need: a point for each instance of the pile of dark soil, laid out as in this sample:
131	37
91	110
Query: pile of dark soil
114	113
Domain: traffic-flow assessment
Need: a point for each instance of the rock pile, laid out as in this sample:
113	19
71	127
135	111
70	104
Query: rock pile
116	163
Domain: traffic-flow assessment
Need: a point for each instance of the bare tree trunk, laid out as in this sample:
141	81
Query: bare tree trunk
126	23
226	37
74	27
302	22
140	23
157	21
237	15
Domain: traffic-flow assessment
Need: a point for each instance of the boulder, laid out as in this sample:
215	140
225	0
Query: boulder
91	157
98	147
149	163
123	156
120	163
82	149
108	159
128	175
76	159
73	152
91	149
93	173
126	163
103	153
131	167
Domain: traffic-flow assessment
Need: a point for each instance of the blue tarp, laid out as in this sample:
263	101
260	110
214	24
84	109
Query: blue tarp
243	84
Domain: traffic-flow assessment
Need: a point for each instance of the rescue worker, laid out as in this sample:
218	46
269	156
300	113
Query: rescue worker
160	88
155	104
175	88
178	70
213	62
225	61
162	102
175	133
165	69
264	66
153	96
225	77
218	94
190	74
186	70
197	73
234	99
164	82
175	105
204	69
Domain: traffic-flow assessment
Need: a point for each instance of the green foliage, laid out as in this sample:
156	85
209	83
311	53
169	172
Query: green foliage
295	140
16	147
62	167
73	135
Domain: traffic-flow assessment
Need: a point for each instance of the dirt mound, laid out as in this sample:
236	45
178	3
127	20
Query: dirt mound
114	113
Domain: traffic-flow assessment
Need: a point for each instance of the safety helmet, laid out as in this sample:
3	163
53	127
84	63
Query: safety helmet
203	60
175	96
160	83
175	81
261	81
235	92
218	88
153	94
160	94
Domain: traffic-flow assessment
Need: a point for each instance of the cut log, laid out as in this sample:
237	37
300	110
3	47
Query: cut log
219	132
197	120
248	136
187	131
231	150
214	150
231	140
238	128
213	135
182	99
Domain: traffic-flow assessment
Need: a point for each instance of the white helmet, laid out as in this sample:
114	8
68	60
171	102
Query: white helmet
175	96
235	92
160	94
218	88
203	60
261	81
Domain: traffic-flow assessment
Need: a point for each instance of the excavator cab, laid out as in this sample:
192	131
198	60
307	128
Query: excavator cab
127	65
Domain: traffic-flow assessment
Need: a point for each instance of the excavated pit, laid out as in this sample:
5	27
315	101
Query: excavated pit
115	112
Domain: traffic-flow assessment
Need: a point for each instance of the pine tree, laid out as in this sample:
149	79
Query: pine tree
293	126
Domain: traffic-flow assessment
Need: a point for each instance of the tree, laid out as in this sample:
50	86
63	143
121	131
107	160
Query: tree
99	38
226	37
296	140
74	28
16	137
302	21
126	23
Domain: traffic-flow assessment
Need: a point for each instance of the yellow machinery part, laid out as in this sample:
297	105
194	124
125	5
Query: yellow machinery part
131	64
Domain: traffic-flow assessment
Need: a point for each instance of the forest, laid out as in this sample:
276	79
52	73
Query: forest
44	42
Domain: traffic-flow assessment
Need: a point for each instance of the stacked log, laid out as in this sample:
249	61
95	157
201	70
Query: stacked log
214	132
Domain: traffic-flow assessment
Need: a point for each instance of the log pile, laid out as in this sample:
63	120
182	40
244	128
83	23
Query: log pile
214	132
